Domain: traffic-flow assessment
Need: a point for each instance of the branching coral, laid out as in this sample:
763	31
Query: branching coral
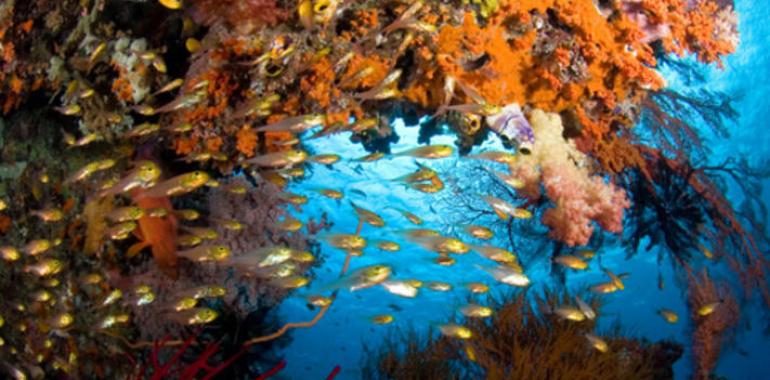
710	327
521	342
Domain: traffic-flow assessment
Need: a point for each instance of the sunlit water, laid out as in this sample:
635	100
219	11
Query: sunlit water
339	336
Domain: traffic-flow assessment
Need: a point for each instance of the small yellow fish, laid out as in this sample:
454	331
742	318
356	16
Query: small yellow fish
414	219
292	282
455	331
388	246
495	254
476	311
112	320
706	252
70	110
445	261
144	110
62	321
400	288
383	319
159	64
368	216
206	253
477	287
192	45
319	301
171	4
598	343
188	240
181	184
295	199
3	205
187	214
302	256
87	139
346	241
289	223
507	275
141	130
204	233
479	232
495	156
9	253
428	151
91	279
231	225
170	86
370	157
586	254
570	261
98	50
439	286
443	244
329	193
145	298
615	279
49	215
279	159
708	308
325	159
144	174
195	316
41	296
569	313
91	168
112	297
158	212
669	315
236	188
185	303
125	214
470	353
180	128
606	287
120	231
37	246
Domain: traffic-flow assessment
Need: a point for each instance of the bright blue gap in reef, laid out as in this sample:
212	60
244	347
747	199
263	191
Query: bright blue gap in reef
338	337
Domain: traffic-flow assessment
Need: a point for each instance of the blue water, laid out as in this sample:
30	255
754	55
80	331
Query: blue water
338	338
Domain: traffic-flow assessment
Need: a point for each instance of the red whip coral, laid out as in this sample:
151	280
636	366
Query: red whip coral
580	198
710	328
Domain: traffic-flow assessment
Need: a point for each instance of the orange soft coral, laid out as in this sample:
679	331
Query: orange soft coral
246	141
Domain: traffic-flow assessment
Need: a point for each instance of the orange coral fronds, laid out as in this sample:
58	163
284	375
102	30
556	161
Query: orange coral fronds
246	141
213	144
319	84
185	145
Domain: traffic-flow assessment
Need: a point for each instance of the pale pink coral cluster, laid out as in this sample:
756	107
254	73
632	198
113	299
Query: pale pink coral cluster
580	198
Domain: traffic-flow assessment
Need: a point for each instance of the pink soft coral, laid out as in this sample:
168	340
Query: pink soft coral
580	198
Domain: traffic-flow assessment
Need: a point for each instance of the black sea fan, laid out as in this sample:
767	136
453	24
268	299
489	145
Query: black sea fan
668	212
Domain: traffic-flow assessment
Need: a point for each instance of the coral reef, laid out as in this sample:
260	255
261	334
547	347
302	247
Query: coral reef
124	191
522	340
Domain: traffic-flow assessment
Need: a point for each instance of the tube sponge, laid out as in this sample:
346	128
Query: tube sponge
579	197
